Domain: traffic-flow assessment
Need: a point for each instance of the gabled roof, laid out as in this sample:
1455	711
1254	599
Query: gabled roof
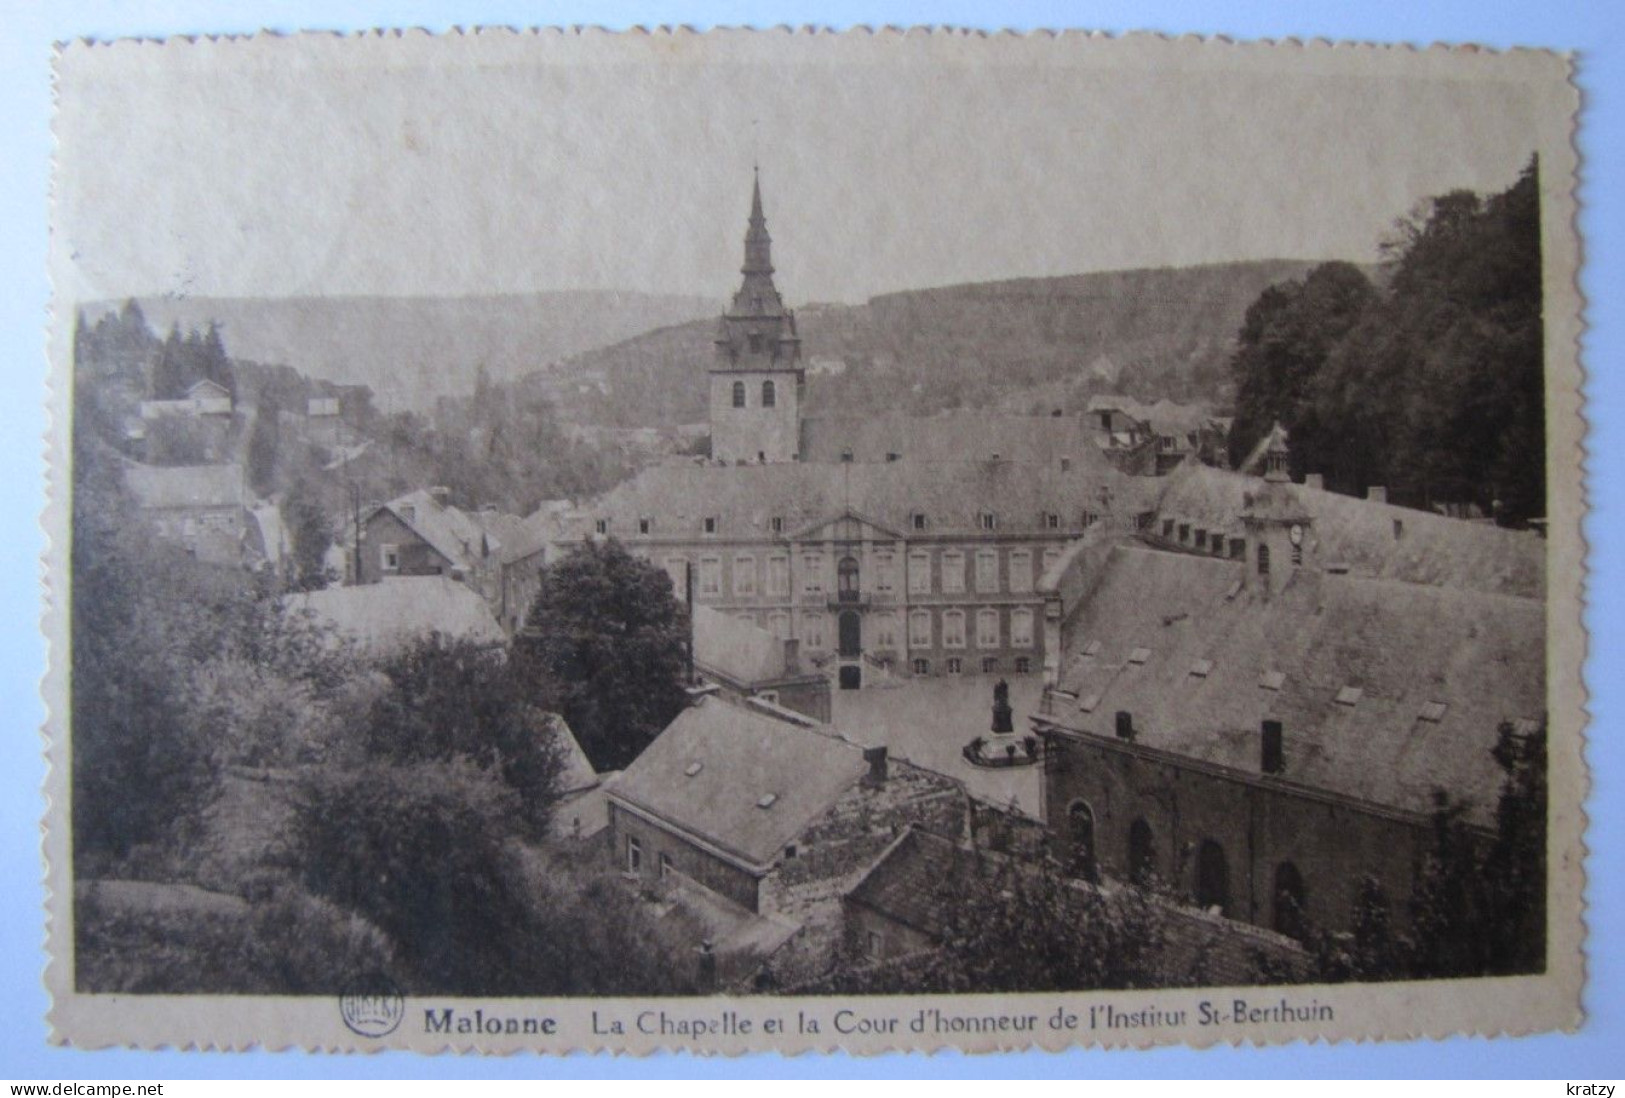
954	436
467	537
680	495
207	389
385	616
1407	647
1426	548
710	772
576	775
157	487
906	882
735	649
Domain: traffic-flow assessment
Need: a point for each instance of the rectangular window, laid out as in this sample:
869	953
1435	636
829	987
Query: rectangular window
710	576
1201	539
917	520
744	575
953	571
1184	533
953	628
1024	665
1168	529
987	628
922	667
885	573
645	525
919	629
390	557
710	524
634	855
778	623
1021	570
776	523
601	526
919	572
1238	548
812	573
987	520
1021	627
956	666
885	630
665	865
1051	555
990	664
1089	519
987	570
778	575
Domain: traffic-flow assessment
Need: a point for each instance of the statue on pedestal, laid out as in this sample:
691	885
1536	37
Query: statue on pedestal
1002	713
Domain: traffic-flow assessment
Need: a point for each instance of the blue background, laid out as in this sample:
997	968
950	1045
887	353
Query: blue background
1592	29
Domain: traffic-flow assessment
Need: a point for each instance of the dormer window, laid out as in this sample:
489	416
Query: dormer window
1092	648
1349	696
645	525
987	520
767	800
846	456
1139	656
917	520
1272	680
776	524
693	768
601	526
710	524
1433	712
1201	669
1052	521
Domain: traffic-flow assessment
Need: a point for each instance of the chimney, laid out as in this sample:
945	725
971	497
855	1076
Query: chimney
440	494
1377	493
1314	480
1272	758
792	656
876	758
1125	725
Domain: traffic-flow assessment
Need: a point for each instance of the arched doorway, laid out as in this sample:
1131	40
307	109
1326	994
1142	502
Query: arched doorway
851	634
1080	820
846	577
1290	898
1142	855
851	676
1212	877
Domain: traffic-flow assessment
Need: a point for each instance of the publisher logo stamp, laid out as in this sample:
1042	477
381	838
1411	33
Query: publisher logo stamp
372	1005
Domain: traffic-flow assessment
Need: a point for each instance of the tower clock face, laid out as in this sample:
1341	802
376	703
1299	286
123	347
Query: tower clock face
1296	534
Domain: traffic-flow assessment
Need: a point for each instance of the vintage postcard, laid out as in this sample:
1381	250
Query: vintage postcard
767	540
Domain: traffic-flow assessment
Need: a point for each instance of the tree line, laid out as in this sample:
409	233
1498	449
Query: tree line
1430	384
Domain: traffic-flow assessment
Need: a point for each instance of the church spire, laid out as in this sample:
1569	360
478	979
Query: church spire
758	245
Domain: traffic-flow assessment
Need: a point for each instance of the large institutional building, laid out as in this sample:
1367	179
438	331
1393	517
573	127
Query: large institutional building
923	555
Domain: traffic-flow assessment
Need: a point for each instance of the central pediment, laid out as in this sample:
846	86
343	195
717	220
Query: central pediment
849	525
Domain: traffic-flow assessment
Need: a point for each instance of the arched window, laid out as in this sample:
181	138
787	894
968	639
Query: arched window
739	394
1290	917
1080	820
769	396
1142	855
1212	877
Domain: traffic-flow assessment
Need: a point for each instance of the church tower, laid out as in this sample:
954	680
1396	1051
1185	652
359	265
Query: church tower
757	380
1277	524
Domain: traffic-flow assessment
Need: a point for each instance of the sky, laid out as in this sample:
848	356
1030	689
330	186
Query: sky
496	164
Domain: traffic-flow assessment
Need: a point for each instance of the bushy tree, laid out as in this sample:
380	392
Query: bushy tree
450	699
310	535
264	444
1433	387
606	643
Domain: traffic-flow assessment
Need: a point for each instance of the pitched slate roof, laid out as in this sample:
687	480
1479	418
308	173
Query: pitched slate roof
385	616
467	537
680	495
741	651
158	487
576	774
954	437
1428	548
713	767
1408	648
906	882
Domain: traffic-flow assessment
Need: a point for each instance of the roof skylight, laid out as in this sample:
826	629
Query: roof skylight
1139	656
1272	680
1349	696
767	800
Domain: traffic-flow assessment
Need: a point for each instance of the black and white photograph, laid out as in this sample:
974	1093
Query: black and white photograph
769	540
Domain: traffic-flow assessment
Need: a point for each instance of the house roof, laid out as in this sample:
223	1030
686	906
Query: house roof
158	487
1437	669
576	775
680	495
738	650
954	437
385	616
906	882
1163	417
1425	547
466	537
712	771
